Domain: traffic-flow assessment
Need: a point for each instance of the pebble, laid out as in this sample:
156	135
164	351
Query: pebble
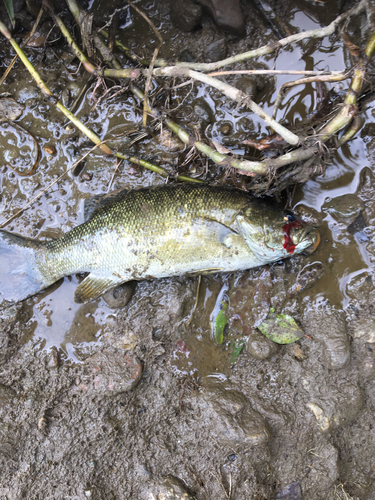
232	419
327	325
357	228
66	98
226	128
186	56
217	50
247	85
10	109
86	176
70	128
169	488
127	341
50	150
38	40
260	347
110	372
28	93
42	424
321	418
185	14
297	352
120	296
291	492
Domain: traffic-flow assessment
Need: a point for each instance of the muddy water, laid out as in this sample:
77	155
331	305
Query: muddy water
267	425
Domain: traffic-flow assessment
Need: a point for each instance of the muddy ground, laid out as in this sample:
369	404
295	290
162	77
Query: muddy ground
138	402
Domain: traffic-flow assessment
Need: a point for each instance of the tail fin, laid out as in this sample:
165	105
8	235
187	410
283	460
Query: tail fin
19	274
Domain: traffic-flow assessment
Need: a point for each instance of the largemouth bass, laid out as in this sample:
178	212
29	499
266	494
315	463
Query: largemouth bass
153	233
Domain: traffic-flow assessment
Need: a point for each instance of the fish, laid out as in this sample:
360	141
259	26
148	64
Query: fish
156	232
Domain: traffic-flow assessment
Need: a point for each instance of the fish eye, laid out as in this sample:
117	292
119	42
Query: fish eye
289	218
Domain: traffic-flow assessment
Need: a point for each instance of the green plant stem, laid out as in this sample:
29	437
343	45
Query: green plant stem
370	47
77	51
352	130
100	45
93	137
253	168
43	87
108	57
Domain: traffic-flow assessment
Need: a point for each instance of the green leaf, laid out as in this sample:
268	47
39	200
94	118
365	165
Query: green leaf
236	346
219	316
281	328
10	9
220	323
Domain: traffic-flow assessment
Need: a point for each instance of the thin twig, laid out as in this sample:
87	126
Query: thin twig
274	72
77	51
248	167
31	34
118	163
128	52
269	48
155	54
233	93
228	90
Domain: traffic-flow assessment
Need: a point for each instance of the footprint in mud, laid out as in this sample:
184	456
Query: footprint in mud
328	327
228	416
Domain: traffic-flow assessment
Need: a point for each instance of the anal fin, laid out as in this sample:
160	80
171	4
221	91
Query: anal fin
94	286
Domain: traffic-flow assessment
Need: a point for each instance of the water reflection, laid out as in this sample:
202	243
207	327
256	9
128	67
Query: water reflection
341	177
58	320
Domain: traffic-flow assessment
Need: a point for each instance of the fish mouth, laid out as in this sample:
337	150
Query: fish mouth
311	236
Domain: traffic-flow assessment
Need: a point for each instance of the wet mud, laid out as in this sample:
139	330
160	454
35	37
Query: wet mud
131	395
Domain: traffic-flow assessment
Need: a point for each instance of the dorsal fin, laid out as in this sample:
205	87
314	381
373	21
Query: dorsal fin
99	200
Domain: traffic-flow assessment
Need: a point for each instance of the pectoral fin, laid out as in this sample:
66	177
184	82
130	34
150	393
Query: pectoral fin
94	286
210	229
